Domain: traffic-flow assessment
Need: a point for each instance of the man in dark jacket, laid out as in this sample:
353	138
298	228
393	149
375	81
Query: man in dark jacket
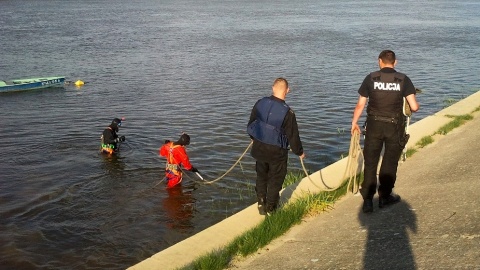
110	138
273	128
385	90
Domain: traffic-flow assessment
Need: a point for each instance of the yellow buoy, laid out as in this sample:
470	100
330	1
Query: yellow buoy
79	83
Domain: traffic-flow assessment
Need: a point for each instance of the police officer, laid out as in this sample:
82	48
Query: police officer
385	90
273	128
110	139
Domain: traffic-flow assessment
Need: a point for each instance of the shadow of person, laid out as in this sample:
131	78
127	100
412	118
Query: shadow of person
179	207
387	245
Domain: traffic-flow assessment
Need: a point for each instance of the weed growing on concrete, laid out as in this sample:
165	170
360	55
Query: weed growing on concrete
292	177
317	204
212	260
456	122
411	151
425	141
273	227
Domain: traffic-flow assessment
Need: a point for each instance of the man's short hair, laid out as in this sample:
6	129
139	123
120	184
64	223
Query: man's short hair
387	56
280	80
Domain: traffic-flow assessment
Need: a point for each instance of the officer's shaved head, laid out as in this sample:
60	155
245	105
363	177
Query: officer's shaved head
280	81
280	88
387	56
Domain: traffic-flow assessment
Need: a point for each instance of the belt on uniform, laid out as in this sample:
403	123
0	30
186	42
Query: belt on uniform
385	119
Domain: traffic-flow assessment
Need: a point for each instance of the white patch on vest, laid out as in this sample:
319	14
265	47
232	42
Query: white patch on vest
386	86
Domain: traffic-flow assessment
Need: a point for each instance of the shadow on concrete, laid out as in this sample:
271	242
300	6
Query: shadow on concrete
387	245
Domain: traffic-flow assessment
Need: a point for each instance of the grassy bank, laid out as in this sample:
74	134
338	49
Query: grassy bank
272	227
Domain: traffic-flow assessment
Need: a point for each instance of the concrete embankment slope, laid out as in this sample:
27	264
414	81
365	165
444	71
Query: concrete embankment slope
345	227
435	226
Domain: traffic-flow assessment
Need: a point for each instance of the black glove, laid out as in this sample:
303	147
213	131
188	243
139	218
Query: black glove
167	141
193	169
120	139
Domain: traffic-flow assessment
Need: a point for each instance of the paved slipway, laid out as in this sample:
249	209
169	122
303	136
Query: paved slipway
435	226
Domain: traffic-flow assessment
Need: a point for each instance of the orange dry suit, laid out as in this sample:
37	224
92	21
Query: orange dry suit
176	155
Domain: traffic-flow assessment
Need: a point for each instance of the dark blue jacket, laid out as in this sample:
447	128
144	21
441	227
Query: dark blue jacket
267	127
273	127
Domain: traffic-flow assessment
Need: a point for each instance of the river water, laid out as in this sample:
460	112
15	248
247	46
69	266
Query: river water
195	66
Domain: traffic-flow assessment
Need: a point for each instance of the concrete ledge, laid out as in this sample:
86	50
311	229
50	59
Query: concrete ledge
464	106
222	233
328	178
214	237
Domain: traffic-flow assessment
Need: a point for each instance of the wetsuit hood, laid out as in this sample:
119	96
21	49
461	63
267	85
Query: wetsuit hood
183	140
115	124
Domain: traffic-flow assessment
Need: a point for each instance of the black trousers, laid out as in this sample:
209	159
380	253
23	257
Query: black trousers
270	177
380	133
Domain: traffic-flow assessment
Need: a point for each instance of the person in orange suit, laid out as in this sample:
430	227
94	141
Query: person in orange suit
176	155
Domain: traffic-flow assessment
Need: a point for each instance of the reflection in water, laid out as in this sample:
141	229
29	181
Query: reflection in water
179	207
113	165
387	243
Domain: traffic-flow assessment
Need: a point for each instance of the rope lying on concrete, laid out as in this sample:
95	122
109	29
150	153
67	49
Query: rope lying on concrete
354	153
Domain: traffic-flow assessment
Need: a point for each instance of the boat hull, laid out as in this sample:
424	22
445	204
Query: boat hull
31	84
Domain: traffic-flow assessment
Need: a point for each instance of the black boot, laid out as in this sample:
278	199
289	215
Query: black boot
271	208
261	204
389	200
367	206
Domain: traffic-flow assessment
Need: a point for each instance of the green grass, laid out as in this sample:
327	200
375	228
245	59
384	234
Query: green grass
456	122
425	141
292	177
272	227
411	151
477	109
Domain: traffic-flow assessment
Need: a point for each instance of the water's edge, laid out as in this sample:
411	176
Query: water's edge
222	233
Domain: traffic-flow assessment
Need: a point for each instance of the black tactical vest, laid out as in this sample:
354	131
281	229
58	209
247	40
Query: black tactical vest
386	95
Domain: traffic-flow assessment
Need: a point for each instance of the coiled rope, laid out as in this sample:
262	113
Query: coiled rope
354	153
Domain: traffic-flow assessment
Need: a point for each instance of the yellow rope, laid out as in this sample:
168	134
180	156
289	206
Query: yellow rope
229	170
354	153
160	182
233	166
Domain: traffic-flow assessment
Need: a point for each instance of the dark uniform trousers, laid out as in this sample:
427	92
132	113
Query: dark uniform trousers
380	133
270	177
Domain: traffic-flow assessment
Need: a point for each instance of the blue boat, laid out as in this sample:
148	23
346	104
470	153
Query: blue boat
31	84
